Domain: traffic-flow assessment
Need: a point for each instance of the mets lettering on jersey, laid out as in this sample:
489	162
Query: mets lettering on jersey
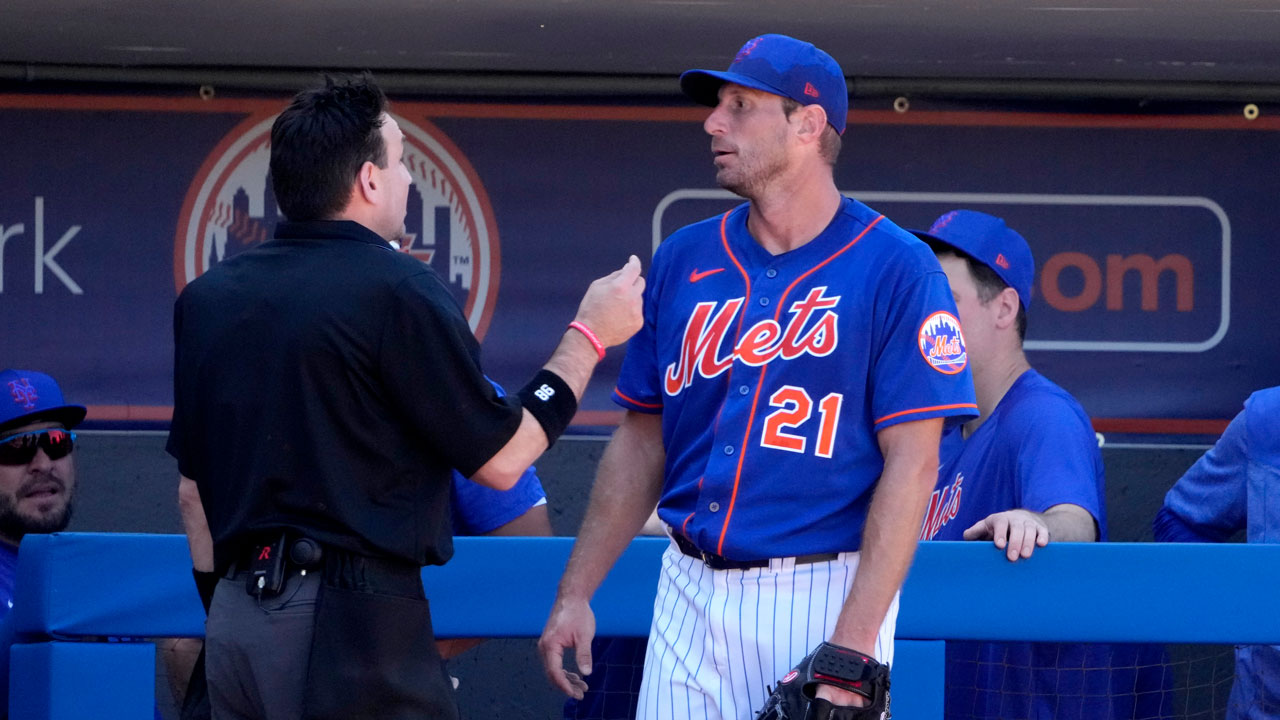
1034	451
763	342
773	375
943	506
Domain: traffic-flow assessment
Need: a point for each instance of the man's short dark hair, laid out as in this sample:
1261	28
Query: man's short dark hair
829	144
320	142
988	283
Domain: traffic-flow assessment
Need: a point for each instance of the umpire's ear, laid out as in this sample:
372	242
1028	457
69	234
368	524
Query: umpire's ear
368	185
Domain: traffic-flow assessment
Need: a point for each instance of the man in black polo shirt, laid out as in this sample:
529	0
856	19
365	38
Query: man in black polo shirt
325	386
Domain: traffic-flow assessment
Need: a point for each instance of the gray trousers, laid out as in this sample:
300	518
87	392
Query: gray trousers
350	642
257	651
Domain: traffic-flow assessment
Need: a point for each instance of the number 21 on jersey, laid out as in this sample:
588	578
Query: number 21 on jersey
795	407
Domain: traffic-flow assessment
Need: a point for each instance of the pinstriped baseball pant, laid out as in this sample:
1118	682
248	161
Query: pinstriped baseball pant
720	637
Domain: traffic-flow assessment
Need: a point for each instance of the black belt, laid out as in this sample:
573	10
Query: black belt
720	562
340	568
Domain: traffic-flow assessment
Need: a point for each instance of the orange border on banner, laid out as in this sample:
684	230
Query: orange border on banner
611	418
975	118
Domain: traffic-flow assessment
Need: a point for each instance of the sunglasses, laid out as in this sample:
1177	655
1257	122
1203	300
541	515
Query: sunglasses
20	449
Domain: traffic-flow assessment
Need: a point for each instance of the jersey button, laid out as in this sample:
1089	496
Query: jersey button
714	507
728	449
743	390
771	273
764	301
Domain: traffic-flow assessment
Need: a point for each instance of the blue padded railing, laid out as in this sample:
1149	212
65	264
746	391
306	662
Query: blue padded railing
77	586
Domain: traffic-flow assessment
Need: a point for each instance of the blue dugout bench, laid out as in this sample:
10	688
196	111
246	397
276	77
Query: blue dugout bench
78	593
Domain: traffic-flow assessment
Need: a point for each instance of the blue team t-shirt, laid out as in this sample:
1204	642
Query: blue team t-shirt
773	374
1036	450
476	509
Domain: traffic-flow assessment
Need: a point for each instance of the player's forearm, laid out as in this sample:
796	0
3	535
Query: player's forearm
891	532
626	489
1169	526
888	545
1070	523
535	522
196	525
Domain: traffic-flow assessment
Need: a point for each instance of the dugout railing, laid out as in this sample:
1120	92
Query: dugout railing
81	597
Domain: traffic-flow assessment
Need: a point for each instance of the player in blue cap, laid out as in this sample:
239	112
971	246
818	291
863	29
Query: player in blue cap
37	478
37	474
785	399
1028	468
1228	490
1024	473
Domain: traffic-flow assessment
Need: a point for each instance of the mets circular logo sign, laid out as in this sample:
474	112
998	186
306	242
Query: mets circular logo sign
942	343
230	207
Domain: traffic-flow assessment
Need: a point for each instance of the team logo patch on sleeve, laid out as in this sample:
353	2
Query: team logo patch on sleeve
942	343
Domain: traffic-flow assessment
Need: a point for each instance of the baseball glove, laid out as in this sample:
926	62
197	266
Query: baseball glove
840	667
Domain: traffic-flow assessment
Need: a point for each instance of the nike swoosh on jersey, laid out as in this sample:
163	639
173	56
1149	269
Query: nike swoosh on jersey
695	276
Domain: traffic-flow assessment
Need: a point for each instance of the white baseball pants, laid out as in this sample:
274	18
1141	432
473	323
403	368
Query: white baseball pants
720	637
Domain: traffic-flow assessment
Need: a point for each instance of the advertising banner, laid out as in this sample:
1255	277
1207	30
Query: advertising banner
1152	235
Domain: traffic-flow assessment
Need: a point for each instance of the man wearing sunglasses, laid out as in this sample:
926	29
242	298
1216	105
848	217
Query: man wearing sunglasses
37	471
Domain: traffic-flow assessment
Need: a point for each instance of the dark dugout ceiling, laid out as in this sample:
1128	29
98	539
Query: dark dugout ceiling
1194	49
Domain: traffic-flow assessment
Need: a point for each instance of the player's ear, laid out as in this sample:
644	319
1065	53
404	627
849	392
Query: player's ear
1007	308
813	120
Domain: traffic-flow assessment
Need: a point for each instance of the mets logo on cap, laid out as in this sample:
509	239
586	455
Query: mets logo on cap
230	207
942	343
24	393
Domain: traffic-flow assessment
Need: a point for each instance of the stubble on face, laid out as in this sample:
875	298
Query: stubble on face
397	176
37	497
750	142
756	169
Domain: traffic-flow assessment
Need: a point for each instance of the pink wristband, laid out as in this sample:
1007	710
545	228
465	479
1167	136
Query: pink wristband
591	337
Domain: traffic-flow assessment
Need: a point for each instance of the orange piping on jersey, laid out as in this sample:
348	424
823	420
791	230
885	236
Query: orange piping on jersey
778	313
684	526
655	406
737	334
724	240
925	409
742	454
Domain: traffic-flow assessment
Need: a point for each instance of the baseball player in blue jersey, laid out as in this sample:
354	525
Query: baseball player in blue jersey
1028	468
479	510
784	400
1232	488
1025	472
